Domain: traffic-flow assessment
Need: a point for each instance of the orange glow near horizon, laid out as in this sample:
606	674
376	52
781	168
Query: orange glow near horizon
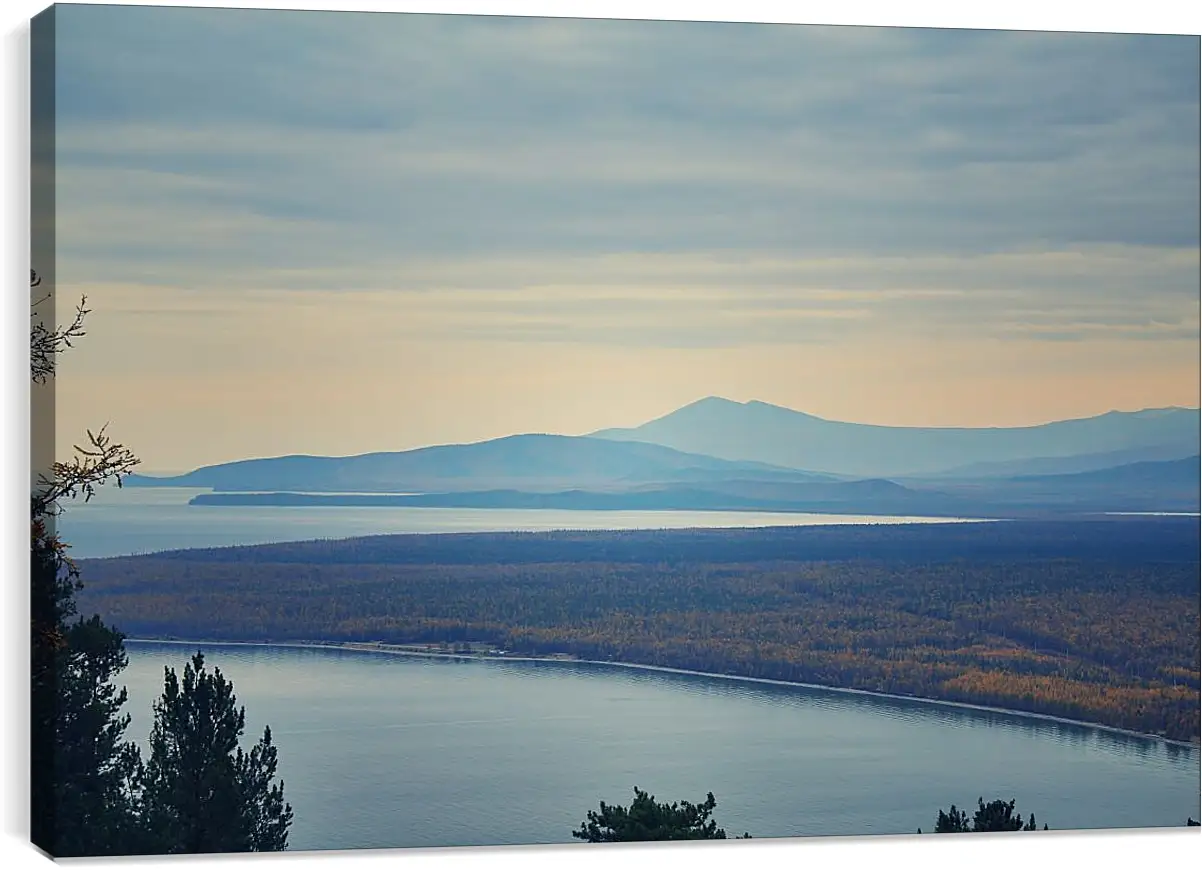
268	379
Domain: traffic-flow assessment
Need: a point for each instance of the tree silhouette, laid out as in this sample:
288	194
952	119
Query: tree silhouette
200	791
954	821
647	820
81	789
89	791
84	768
46	340
995	816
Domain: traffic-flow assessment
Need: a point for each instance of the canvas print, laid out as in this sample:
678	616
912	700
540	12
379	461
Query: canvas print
460	430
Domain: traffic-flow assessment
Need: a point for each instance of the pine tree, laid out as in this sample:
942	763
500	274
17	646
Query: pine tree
999	815
51	606
648	820
995	816
200	791
954	821
82	766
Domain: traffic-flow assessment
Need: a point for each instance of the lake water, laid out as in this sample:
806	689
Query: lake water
382	751
119	522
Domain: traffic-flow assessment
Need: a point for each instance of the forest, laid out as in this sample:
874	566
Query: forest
1087	620
1121	539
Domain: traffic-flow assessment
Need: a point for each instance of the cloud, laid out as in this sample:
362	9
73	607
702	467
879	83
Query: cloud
684	300
633	183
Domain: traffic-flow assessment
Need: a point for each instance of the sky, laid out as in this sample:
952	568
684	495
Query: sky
334	233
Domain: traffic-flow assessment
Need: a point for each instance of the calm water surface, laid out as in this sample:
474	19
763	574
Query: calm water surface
384	751
119	522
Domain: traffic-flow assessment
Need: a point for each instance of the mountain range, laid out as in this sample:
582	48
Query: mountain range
716	454
769	433
532	463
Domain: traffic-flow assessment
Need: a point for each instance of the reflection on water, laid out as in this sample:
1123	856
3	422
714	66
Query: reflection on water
381	750
892	706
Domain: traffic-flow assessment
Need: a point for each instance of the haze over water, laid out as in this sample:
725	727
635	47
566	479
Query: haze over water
135	520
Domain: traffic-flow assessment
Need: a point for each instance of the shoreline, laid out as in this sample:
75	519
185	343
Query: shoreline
963	705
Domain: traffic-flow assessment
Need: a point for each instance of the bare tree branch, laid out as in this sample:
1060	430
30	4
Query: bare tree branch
94	464
46	342
100	461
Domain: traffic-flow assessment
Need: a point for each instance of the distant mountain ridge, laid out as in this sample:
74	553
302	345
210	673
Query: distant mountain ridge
781	436
1167	485
531	463
1055	465
1172	485
1136	461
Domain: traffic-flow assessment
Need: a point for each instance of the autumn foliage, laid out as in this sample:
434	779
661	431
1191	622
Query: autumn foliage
1108	640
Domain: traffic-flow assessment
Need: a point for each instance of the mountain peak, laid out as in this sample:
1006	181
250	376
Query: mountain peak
714	402
760	431
720	402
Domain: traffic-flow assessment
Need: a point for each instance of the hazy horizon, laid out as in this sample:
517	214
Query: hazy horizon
183	470
341	233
